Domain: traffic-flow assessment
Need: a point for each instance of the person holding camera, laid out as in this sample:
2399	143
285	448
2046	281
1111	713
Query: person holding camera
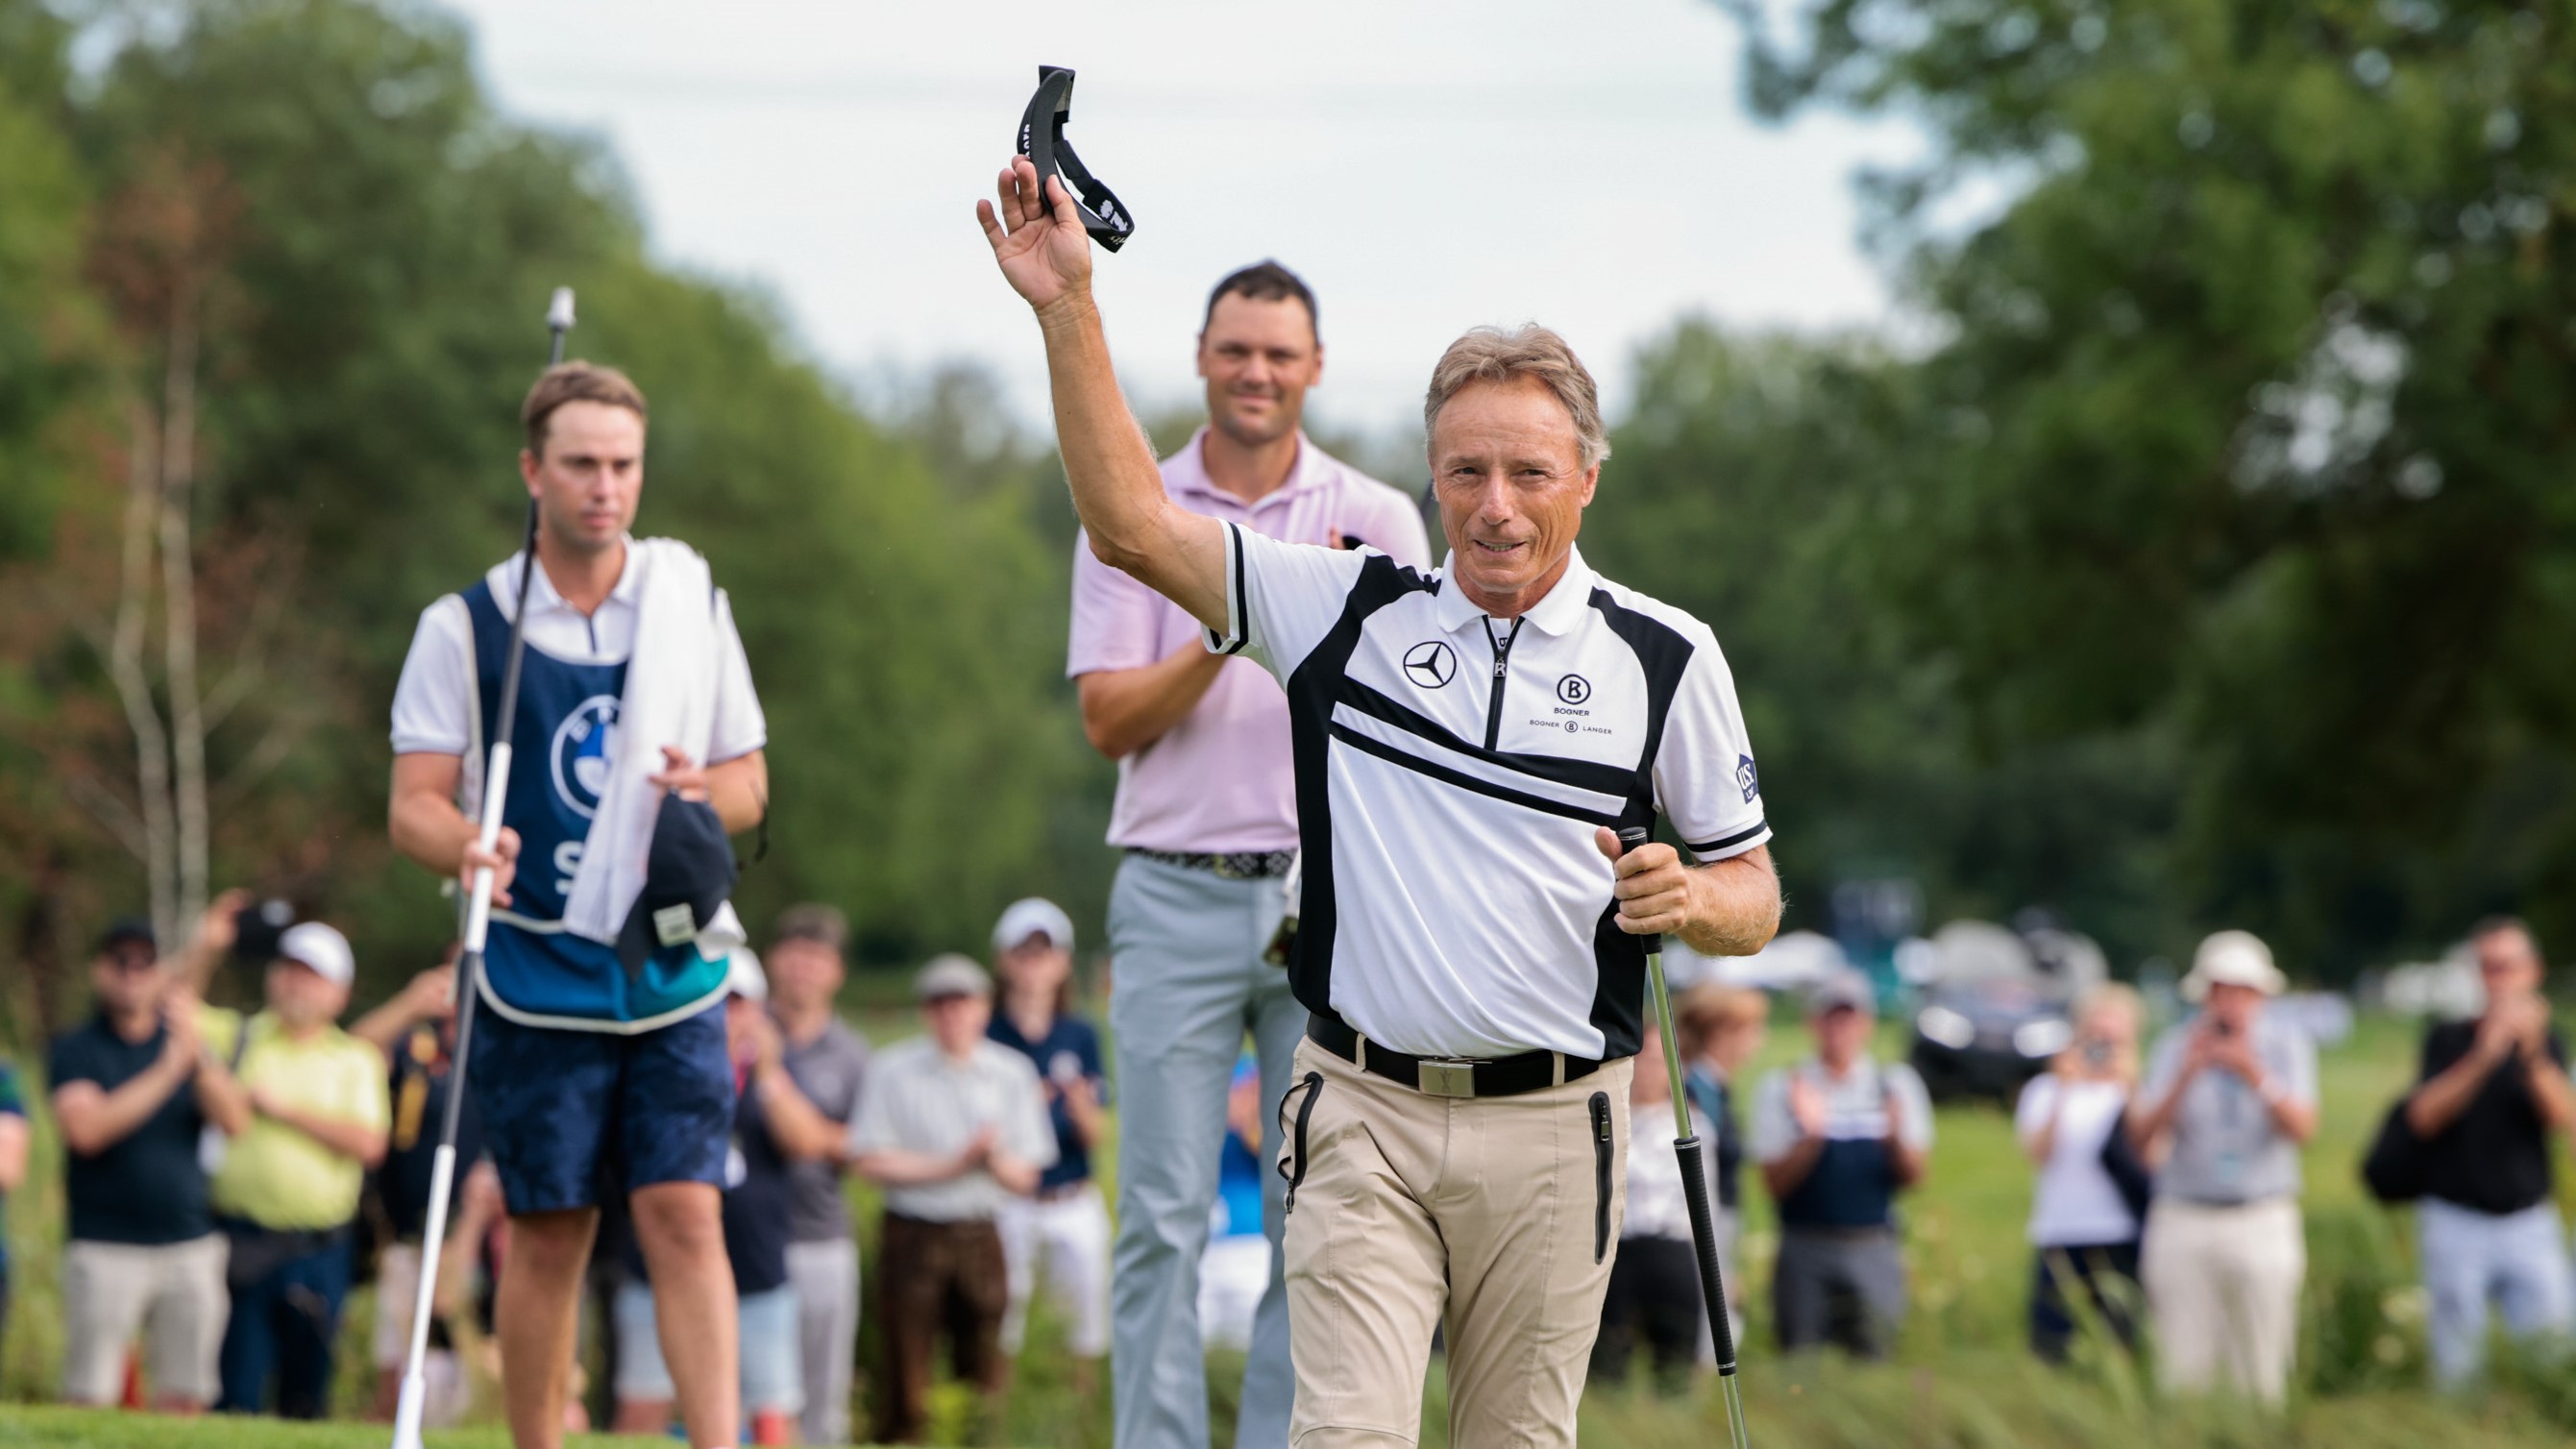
138	1093
2231	1096
2085	1213
2493	1092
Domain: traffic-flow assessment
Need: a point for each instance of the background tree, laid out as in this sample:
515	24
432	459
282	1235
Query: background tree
2248	428
361	337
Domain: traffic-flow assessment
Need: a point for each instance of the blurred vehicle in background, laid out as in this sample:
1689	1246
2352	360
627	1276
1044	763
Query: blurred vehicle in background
1992	1004
1793	961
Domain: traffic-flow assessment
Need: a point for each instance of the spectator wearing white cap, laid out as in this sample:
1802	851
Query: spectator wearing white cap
1060	1233
1838	1136
2230	1096
952	1125
288	1187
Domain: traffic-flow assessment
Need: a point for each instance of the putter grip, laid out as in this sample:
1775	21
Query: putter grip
1630	838
1712	1286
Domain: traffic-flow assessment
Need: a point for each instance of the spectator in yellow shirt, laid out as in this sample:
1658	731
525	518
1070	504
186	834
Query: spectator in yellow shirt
287	1190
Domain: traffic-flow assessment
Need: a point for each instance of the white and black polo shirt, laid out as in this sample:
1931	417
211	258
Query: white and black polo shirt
1451	771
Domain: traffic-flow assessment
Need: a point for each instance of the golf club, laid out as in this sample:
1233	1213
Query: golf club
1686	1146
469	965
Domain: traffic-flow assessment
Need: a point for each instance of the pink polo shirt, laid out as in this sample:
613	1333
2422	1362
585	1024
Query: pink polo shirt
1221	779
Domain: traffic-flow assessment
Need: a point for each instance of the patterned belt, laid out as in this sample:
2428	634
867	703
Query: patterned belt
1231	865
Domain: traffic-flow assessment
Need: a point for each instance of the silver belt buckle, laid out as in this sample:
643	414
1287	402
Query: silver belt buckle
1446	1076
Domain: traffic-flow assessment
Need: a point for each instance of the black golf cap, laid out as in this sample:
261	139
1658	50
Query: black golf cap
1042	141
128	928
687	878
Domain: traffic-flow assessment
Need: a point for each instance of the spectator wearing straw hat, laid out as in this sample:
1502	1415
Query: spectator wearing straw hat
2493	1093
288	1188
2230	1096
952	1125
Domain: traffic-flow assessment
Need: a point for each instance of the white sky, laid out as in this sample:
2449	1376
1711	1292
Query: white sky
1426	166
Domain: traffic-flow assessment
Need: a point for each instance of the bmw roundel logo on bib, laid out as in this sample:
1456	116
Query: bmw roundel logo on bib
585	743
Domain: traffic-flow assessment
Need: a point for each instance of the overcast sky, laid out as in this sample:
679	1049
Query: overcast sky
1426	166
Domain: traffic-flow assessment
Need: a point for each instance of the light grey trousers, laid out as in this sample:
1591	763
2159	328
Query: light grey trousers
1189	982
826	1275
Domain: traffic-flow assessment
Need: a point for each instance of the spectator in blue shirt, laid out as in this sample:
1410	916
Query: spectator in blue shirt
1062	1233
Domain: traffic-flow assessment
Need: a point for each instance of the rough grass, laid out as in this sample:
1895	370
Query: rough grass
1960	1380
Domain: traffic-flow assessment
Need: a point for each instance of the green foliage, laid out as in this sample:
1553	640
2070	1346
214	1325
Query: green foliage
2246	428
46	335
1757	482
380	245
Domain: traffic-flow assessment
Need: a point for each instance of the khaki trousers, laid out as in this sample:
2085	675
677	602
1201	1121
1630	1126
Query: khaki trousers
2222	1288
172	1293
1492	1211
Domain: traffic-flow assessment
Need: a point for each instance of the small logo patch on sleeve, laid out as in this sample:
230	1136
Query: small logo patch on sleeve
1745	778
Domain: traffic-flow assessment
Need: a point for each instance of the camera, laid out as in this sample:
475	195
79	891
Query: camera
257	929
2097	1053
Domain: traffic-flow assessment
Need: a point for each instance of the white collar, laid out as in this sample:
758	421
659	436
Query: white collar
1558	613
542	595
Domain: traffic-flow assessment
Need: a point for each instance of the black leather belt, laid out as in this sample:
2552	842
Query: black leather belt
1449	1076
1226	865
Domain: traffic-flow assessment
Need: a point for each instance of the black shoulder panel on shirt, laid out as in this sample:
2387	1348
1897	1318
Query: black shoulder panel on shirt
1619	959
1314	686
1663	653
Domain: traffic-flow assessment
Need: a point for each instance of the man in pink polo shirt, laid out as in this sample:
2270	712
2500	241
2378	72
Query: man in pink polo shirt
1207	814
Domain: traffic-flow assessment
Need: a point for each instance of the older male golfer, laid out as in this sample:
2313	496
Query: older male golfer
1467	743
1207	815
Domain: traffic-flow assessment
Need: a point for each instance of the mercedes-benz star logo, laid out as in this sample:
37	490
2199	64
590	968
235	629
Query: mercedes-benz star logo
1430	664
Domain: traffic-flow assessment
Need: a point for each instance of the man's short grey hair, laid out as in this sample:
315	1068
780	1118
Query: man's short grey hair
1499	355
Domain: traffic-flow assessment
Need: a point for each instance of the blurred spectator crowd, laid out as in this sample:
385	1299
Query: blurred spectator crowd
231	1176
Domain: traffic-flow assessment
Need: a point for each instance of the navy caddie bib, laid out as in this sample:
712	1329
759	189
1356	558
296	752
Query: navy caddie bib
562	744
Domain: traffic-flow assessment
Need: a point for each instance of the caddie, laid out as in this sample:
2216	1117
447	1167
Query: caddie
599	1063
1467	742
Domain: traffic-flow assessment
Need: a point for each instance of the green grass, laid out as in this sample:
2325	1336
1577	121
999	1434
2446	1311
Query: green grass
1960	1377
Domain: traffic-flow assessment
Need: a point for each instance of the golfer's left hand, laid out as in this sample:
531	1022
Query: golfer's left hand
1037	237
1653	889
680	775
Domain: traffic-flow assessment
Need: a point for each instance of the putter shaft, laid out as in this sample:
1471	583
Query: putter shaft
1686	1147
411	1404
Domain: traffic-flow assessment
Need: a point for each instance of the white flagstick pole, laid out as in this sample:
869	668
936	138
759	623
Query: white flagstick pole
478	924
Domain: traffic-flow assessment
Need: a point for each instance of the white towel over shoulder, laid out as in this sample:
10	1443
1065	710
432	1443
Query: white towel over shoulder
671	682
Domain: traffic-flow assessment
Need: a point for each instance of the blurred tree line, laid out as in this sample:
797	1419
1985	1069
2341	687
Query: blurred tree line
272	280
2212	561
2195	555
